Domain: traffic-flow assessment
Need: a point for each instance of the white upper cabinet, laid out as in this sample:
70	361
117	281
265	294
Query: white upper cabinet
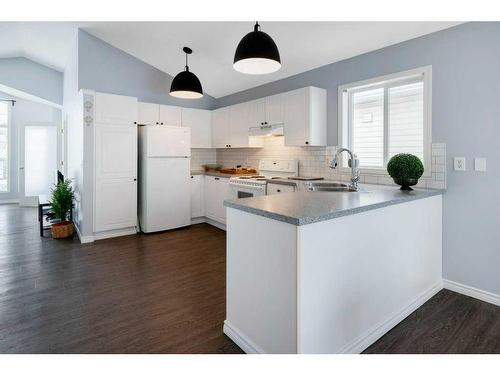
242	117
200	122
148	114
305	117
170	115
115	109
275	109
220	128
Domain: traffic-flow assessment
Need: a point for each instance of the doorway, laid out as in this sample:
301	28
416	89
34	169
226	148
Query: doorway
37	162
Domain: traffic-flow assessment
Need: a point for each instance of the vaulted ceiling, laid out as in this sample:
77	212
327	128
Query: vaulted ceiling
303	45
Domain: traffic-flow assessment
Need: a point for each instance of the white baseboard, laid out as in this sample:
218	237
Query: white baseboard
472	292
9	201
204	219
114	233
364	341
83	239
241	340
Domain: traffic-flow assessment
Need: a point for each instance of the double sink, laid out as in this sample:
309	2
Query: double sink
327	186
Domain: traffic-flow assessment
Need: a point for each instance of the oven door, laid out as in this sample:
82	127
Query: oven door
239	191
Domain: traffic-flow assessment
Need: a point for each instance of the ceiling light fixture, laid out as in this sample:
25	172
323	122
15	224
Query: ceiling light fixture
257	53
186	85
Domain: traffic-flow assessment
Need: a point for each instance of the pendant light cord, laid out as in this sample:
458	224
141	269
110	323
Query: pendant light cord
257	26
187	67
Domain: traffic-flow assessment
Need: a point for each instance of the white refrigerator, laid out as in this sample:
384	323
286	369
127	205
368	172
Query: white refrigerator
164	177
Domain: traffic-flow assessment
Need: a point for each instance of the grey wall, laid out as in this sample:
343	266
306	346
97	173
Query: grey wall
102	67
466	112
32	78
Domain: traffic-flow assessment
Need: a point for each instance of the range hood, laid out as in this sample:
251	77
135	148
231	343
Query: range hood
275	130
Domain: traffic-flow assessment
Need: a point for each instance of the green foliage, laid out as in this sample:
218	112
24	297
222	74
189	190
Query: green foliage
405	166
62	200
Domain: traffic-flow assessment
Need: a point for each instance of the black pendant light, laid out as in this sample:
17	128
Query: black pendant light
185	84
257	53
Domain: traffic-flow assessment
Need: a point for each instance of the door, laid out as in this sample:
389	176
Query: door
38	162
168	194
220	128
115	202
199	121
148	114
170	115
115	109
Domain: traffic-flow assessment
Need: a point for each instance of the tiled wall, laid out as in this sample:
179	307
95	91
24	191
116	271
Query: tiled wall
201	156
314	161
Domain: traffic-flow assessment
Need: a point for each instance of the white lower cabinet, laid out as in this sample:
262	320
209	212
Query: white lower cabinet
279	188
197	196
217	190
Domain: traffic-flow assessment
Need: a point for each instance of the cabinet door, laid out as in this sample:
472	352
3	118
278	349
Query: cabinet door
115	151
197	196
275	109
220	128
170	115
279	189
296	118
223	193
115	204
211	197
199	120
148	114
115	109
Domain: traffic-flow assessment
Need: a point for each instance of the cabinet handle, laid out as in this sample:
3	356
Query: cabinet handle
217	178
157	123
229	145
192	177
265	122
162	123
279	191
307	142
135	122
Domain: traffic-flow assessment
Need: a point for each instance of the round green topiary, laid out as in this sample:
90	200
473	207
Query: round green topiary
405	166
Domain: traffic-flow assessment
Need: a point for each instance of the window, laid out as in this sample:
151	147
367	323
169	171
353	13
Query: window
4	147
386	116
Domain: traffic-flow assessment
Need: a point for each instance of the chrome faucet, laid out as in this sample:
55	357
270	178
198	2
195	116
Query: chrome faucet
353	163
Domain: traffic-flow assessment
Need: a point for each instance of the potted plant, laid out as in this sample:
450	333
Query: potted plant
62	203
405	170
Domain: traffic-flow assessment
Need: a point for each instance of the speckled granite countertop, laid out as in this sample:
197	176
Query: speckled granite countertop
303	207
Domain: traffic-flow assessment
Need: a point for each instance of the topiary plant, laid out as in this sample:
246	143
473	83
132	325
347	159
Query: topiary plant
62	200
405	169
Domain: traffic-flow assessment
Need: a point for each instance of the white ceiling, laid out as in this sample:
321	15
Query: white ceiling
302	45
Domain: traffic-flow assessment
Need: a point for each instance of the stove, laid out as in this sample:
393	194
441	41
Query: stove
251	186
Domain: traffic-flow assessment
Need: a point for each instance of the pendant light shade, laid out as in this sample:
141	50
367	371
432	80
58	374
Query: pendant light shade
257	53
186	85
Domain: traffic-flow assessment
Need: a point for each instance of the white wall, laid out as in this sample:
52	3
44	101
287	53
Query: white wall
23	113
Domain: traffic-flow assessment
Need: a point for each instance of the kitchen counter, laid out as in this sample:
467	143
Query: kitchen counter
215	174
301	208
329	272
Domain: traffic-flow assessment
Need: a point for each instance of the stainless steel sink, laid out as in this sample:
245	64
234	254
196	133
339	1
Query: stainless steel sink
328	186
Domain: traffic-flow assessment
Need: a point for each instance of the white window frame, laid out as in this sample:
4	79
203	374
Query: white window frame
395	79
9	141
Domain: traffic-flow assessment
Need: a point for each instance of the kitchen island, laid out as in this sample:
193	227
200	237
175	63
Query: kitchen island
329	272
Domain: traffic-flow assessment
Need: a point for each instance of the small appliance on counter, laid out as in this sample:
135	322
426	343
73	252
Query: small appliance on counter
253	186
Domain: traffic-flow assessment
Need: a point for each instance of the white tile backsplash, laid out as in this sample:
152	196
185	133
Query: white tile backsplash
201	156
313	162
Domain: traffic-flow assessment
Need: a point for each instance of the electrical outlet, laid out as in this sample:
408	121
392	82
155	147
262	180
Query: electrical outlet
459	163
480	164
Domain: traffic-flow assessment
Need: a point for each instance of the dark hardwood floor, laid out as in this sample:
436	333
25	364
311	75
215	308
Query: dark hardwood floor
165	293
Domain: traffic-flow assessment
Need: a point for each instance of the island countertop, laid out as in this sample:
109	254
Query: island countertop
304	207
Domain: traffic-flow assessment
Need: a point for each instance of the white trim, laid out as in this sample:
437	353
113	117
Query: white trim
364	341
9	201
472	292
24	95
83	239
115	233
204	219
399	77
247	345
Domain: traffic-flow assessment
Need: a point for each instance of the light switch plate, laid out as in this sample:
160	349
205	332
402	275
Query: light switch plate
459	163
480	164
